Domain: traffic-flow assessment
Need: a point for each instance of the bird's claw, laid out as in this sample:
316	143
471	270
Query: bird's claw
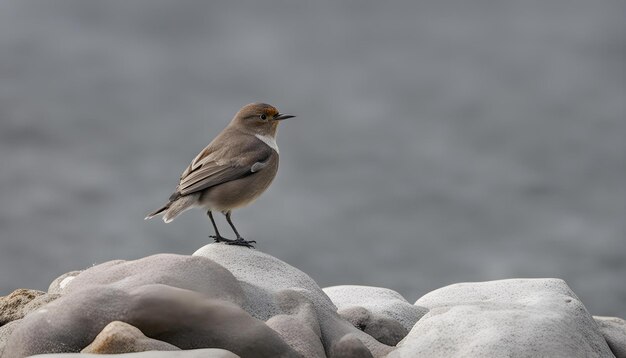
220	238
238	242
241	242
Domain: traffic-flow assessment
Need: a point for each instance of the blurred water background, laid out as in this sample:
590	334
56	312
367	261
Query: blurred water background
436	141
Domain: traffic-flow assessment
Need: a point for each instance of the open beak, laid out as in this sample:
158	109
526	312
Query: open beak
281	116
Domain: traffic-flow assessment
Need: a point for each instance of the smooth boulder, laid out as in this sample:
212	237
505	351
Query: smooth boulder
614	331
263	277
383	329
190	302
377	300
193	353
506	318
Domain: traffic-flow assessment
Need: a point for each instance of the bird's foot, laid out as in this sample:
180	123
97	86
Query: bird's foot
219	238
241	242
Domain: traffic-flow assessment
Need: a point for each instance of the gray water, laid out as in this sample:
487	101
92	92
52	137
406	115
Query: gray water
436	141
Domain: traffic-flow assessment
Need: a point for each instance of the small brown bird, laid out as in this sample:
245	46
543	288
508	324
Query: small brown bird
232	171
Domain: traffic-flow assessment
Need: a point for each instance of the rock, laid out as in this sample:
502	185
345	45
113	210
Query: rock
242	302
162	295
350	347
5	332
383	329
58	285
181	317
12	305
293	302
20	302
220	297
298	336
119	337
189	320
507	318
187	272
380	312
192	353
262	276
299	326
377	300
614	331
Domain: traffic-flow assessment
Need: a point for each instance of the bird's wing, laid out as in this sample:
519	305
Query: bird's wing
207	170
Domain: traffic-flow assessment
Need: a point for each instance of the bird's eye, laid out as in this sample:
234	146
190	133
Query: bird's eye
263	117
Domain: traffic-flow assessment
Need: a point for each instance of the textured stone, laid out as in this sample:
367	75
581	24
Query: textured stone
187	272
120	337
5	332
180	317
262	276
58	285
183	300
251	304
298	336
192	353
384	329
614	331
507	318
350	347
298	326
20	302
377	300
12	305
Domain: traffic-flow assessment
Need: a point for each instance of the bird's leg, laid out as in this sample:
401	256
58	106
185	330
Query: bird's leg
240	241
217	237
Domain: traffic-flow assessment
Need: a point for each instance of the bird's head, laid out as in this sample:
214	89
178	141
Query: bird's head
259	118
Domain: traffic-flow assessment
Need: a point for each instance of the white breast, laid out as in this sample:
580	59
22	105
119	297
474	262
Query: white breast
269	140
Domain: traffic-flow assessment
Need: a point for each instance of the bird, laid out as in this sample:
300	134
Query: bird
237	166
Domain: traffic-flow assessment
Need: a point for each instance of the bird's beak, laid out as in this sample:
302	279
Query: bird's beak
281	116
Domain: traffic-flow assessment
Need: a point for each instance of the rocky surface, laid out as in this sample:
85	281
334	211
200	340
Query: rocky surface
228	301
192	353
58	285
20	302
614	331
380	312
507	318
274	287
5	333
121	337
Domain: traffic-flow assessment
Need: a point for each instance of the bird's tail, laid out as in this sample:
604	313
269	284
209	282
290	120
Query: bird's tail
157	212
176	207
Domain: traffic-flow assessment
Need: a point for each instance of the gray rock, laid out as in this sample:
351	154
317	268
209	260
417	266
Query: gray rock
58	285
614	331
378	301
380	312
382	328
183	300
187	272
350	347
120	337
20	302
507	318
298	326
262	276
192	353
298	336
5	332
295	303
